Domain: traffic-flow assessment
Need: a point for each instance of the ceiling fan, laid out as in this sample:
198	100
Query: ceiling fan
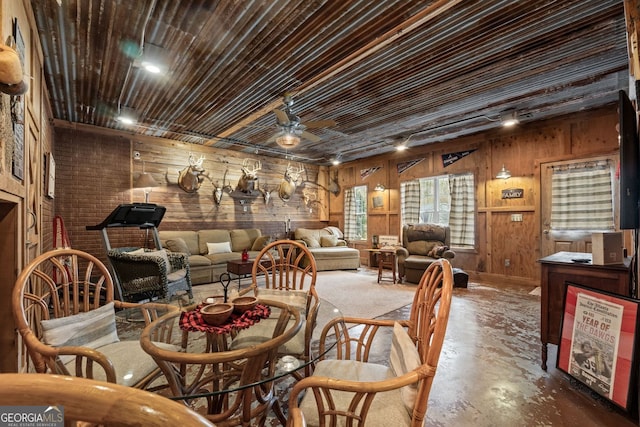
291	129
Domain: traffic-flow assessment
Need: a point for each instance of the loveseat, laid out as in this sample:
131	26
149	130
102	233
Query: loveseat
329	249
421	245
209	250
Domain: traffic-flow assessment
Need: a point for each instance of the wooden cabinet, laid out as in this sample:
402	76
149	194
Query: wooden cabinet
557	269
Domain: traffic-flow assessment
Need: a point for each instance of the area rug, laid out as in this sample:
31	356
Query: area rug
355	293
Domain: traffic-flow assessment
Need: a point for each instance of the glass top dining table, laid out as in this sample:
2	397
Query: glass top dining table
208	373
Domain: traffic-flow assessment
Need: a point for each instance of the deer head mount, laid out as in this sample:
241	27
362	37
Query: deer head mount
266	193
248	182
291	180
191	177
334	187
218	190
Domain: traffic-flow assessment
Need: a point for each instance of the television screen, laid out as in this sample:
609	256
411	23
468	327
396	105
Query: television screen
629	163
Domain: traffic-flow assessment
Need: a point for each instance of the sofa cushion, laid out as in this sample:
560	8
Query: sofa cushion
178	245
218	248
260	243
311	242
211	236
189	237
222	258
328	241
243	239
199	261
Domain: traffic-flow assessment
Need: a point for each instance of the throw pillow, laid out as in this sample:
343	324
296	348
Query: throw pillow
311	242
219	248
404	357
178	245
260	243
92	329
437	251
328	241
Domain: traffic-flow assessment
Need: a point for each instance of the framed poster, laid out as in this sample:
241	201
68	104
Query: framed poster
598	341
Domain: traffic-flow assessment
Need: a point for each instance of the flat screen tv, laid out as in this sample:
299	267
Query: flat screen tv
629	164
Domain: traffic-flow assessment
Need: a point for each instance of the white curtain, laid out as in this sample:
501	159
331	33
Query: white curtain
350	220
410	202
461	216
581	197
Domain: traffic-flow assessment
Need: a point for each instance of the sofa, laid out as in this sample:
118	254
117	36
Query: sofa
421	245
209	250
329	249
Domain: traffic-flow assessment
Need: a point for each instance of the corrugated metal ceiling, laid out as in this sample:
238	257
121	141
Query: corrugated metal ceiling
382	70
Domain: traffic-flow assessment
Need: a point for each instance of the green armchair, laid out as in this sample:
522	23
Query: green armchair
152	274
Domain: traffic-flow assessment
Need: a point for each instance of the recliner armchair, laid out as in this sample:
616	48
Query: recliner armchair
147	274
422	245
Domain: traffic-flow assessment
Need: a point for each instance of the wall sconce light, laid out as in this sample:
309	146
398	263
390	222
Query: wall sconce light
146	181
379	187
503	174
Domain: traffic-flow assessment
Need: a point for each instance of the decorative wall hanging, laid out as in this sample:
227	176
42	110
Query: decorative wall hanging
598	342
266	193
191	177
365	173
404	166
513	193
218	190
248	182
17	113
450	158
288	185
334	187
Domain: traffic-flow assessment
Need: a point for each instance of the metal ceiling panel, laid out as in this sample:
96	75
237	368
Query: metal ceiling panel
384	71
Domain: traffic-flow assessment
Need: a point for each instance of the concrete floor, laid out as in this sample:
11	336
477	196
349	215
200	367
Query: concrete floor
489	372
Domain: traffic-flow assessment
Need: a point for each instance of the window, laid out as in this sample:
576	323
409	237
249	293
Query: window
582	197
355	213
444	199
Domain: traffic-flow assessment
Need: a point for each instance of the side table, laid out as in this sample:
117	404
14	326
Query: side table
386	259
239	268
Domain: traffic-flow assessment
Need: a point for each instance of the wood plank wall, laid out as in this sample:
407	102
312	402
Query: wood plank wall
520	149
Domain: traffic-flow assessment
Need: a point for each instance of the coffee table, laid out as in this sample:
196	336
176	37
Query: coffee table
239	268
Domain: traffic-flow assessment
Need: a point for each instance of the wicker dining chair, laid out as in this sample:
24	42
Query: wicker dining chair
289	273
350	389
65	311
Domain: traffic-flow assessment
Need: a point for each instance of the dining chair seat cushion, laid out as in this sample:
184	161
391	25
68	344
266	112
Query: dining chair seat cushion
403	358
130	361
93	329
263	331
387	408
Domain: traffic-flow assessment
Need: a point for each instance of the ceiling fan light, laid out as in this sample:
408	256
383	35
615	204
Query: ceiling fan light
288	140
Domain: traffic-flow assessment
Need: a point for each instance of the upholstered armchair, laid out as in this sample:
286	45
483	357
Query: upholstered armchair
144	274
422	244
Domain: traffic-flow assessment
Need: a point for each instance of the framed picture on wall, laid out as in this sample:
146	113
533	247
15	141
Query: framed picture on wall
598	342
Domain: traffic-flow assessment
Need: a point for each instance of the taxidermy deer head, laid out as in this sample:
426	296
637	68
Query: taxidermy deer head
249	180
290	182
191	177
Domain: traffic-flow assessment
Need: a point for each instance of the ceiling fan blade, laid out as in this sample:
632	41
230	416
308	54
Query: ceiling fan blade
311	137
283	117
320	124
